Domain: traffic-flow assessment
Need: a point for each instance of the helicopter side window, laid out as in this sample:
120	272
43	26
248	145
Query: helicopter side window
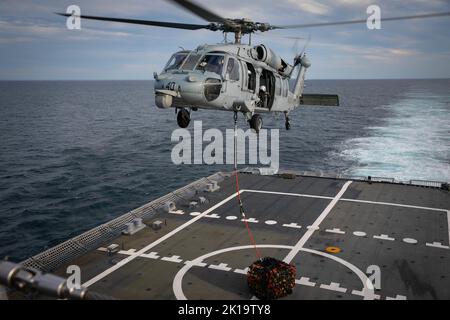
176	61
278	84
233	69
211	63
285	88
251	77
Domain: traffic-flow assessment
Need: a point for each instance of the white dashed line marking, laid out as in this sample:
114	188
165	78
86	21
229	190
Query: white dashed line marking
241	271
305	282
198	264
360	234
335	230
151	255
221	267
214	216
436	245
384	237
292	225
334	286
271	222
231	218
175	259
194	214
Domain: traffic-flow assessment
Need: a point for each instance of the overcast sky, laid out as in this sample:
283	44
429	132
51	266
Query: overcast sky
35	43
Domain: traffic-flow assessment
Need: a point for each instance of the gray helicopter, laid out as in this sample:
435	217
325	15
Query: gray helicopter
234	76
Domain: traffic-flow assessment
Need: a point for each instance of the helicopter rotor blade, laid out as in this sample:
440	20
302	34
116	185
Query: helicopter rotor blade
306	45
165	24
200	11
325	24
277	36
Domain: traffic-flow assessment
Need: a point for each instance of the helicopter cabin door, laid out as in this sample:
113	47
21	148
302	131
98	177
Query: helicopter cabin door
267	89
233	77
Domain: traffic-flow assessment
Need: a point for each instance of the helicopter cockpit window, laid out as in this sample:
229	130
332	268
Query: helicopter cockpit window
176	61
191	62
233	69
211	63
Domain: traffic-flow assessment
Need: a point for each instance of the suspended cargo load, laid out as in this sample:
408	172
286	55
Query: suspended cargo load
269	278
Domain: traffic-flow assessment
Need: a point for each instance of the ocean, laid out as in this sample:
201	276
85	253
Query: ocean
75	154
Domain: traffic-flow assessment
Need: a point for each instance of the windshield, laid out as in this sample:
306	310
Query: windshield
176	61
191	62
211	63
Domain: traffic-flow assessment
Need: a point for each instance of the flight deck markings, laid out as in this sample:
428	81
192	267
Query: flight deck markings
196	264
151	255
214	216
335	230
436	245
295	250
241	271
393	204
155	243
333	286
410	240
384	237
366	292
352	200
175	259
288	194
292	225
222	267
304	281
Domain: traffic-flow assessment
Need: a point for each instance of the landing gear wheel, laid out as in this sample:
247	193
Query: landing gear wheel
183	118
256	122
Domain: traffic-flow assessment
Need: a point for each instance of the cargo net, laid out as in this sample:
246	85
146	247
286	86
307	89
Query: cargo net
269	278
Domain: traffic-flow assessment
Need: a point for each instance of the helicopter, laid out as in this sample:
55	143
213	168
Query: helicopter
234	76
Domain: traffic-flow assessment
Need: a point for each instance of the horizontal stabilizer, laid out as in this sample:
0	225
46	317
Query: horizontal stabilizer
320	100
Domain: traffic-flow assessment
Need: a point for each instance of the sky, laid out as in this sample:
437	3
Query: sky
35	43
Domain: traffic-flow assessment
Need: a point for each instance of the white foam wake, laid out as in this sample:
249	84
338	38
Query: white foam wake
413	144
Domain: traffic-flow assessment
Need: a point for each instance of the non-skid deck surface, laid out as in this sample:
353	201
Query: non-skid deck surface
399	232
